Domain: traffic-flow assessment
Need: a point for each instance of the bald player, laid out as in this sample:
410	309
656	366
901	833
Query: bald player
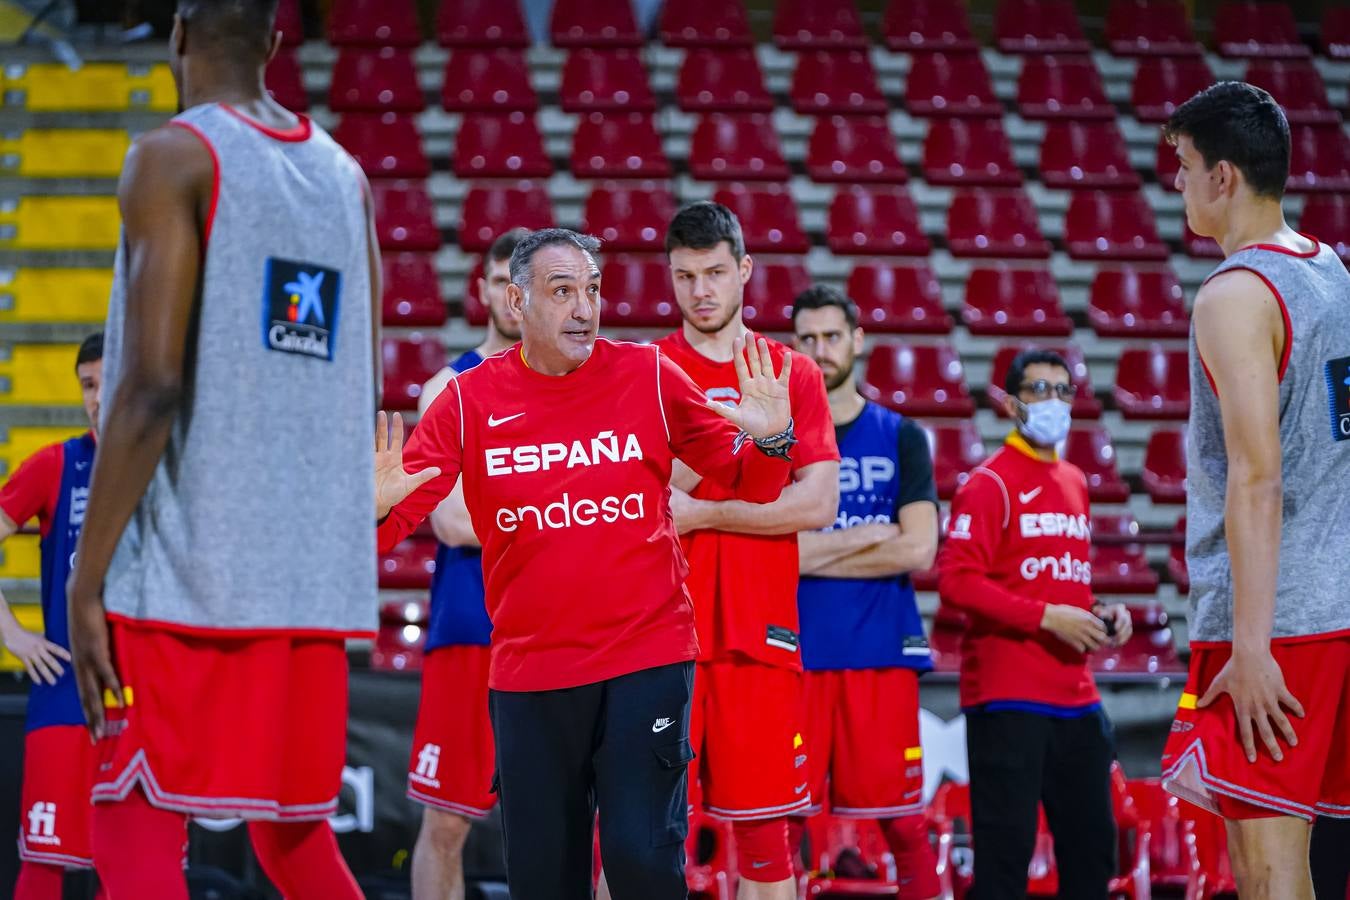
227	552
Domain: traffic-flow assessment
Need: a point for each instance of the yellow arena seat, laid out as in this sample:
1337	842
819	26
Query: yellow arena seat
19	442
21	556
39	375
29	616
94	87
54	295
64	153
59	223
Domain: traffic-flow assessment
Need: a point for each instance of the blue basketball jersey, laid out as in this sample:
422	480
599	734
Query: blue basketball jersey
59	704
865	623
458	612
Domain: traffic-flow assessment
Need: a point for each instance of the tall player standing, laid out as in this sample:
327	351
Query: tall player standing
227	552
52	486
863	644
450	772
1261	734
743	566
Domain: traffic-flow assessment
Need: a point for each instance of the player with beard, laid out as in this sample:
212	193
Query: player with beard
450	772
863	644
743	566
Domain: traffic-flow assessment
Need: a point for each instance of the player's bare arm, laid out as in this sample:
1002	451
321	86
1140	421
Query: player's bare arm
1240	334
818	549
910	546
811	501
376	290
163	195
40	657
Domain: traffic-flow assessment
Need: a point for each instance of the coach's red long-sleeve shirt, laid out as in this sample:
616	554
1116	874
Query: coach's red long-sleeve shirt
1019	538
566	481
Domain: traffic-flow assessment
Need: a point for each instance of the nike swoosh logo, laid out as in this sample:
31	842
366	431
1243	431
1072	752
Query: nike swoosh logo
756	864
661	725
1029	495
493	421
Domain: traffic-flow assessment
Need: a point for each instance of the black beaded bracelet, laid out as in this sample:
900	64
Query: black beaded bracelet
774	445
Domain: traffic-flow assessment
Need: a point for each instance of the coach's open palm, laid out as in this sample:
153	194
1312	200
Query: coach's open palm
765	407
392	484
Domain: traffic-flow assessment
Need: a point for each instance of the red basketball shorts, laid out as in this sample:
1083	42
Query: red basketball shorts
745	726
1204	762
58	774
225	727
453	755
863	730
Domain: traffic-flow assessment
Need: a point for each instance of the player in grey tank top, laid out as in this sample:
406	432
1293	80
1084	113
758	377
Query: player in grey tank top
1259	735
228	524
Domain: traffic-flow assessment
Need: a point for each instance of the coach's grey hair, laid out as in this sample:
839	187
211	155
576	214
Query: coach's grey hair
532	243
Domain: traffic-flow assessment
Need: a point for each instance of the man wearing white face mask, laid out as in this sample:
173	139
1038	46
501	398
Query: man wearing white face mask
1016	563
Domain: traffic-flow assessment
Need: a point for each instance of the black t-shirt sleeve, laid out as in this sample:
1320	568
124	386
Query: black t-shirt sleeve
916	467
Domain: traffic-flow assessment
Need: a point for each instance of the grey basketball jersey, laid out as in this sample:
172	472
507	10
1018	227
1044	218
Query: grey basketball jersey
1313	591
260	514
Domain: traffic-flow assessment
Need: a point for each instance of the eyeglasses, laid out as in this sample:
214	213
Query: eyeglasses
1042	389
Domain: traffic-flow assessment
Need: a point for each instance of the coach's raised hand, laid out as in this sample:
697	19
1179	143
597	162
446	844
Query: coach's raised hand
764	409
392	484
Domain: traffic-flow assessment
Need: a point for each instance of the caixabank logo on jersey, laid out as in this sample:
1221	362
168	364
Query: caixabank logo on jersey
300	307
1338	390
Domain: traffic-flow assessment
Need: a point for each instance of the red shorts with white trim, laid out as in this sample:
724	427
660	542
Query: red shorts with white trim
862	727
1204	762
745	728
58	773
226	727
453	755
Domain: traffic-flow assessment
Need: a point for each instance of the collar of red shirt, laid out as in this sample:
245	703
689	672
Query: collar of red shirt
1019	443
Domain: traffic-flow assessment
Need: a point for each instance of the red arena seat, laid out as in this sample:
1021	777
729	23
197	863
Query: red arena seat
1112	225
1090	449
500	146
1320	159
369	79
905	299
740	147
408	363
1062	87
290	23
1150	28
1164	474
768	217
769	294
605	81
1297	86
956	450
817	24
1250	29
836	82
637	292
1153	383
1167	163
852	149
1086	155
911	25
284	82
618	145
481	23
1163	84
1129	301
950	84
405	217
373	23
487	207
1335	32
1038	26
1002	300
630	216
1327	218
386	145
594	23
412	291
487	80
969	152
1120	567
1197	246
999	223
1085	403
875	220
1176	561
716	80
409	566
918	381
720	23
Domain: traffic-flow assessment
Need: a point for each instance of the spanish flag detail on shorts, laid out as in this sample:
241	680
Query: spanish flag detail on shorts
1187	701
110	699
796	742
913	754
